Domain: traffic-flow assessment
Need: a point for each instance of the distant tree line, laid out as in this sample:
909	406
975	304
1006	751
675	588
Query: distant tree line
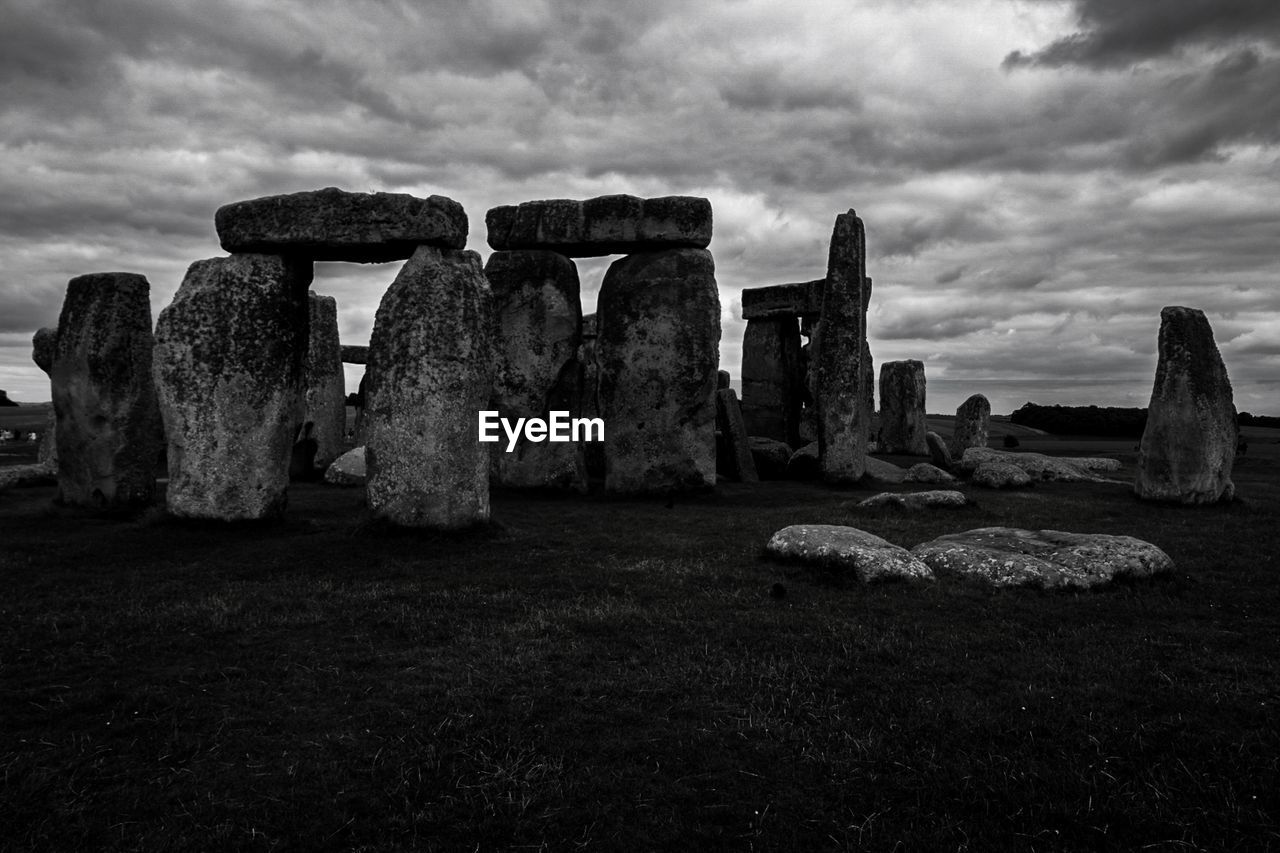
1109	421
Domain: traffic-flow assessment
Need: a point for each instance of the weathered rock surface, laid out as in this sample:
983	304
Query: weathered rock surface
913	501
348	469
923	472
355	354
846	549
431	363
607	225
803	464
538	310
723	380
741	466
1041	467
770	457
1188	448
228	365
902	408
658	347
841	334
108	424
939	453
1000	475
1006	556
42	347
880	471
973	418
324	381
783	300
335	225
43	344
772	378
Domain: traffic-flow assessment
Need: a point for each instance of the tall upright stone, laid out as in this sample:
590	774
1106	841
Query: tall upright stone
430	372
734	453
538	313
772	379
659	338
1189	445
325	397
229	375
108	427
902	408
838	345
973	420
42	344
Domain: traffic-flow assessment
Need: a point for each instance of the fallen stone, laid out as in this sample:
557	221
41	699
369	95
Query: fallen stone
1005	556
108	424
880	471
846	549
803	464
923	472
770	457
229	369
1189	445
347	470
1000	475
913	501
658	347
431	363
1041	467
902	408
335	225
608	225
741	466
971	425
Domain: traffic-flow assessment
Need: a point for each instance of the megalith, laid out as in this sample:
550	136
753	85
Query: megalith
538	326
973	419
430	372
1189	445
107	423
325	397
838	348
607	225
902	409
229	375
772	378
736	461
658	347
42	344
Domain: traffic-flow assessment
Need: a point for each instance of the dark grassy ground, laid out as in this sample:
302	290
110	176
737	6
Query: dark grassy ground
608	674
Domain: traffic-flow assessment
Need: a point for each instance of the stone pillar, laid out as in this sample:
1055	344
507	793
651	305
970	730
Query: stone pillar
229	370
902	408
659	352
972	422
430	373
108	427
1189	445
772	392
325	398
42	344
736	460
837	345
538	328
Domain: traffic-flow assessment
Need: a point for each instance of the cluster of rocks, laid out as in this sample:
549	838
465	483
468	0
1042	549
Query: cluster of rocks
1000	556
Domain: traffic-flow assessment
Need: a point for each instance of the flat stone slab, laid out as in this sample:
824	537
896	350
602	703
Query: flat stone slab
607	225
783	300
1000	475
913	501
335	225
1007	556
846	549
355	354
1038	466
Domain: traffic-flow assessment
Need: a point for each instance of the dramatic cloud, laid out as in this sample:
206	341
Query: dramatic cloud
1037	178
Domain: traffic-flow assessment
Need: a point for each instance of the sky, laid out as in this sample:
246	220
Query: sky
1037	177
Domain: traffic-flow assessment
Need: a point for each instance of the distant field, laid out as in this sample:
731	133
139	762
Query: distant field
606	674
25	418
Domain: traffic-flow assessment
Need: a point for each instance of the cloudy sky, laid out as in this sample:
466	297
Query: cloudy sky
1037	177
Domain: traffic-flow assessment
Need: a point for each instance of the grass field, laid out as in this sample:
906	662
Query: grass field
615	675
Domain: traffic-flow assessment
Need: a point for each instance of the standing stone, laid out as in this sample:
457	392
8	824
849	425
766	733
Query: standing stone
972	420
723	380
842	416
772	393
42	345
741	466
430	373
538	328
939	453
229	371
659	325
1189	444
325	399
108	427
902	421
589	388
